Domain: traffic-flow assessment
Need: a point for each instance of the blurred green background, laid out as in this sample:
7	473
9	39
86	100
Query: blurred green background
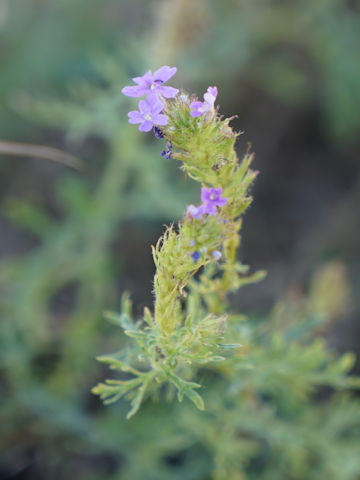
71	242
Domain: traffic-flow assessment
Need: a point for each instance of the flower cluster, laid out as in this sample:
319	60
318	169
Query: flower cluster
196	255
199	108
151	85
211	199
150	116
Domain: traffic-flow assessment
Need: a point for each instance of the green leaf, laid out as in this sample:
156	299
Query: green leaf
195	398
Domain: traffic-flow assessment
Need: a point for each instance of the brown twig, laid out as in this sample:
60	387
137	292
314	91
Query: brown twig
40	151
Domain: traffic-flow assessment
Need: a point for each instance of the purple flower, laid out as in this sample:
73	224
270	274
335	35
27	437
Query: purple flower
216	254
149	114
211	198
196	212
152	83
199	108
195	256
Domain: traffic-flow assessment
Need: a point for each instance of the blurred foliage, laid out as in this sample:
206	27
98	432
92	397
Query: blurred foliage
75	252
289	412
268	414
302	52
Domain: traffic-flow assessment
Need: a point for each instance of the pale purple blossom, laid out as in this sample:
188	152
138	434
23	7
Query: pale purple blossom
152	83
149	114
199	108
195	212
216	254
211	198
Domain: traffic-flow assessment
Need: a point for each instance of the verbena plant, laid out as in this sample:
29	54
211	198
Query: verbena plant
186	329
190	334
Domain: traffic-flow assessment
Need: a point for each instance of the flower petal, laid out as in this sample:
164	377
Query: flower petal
205	194
221	202
141	80
198	109
152	97
135	117
160	119
164	73
146	126
209	99
157	108
144	107
155	104
213	91
192	211
210	209
196	212
135	91
196	113
167	92
196	105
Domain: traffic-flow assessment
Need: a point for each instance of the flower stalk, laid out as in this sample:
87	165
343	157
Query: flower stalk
187	326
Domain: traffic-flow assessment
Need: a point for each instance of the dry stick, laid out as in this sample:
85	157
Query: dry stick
40	151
